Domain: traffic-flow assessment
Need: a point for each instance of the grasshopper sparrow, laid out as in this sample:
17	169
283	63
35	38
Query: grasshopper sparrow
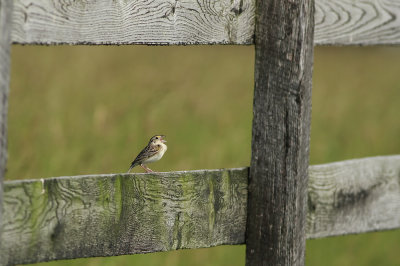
153	152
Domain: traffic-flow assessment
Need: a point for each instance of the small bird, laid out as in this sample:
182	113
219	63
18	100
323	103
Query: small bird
153	152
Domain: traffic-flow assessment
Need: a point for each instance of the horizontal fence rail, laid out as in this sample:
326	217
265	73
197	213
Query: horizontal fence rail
116	214
354	196
357	22
337	22
106	215
134	22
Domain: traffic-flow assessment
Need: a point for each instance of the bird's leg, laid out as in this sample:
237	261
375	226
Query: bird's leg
148	170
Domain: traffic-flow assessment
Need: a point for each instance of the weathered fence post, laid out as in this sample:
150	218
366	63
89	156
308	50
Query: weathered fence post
5	44
277	198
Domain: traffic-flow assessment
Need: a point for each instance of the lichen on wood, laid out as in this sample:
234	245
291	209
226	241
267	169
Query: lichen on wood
110	215
106	215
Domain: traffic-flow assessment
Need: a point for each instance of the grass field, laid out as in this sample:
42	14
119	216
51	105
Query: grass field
86	110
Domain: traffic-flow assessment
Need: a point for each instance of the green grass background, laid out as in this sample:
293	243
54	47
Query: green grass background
86	110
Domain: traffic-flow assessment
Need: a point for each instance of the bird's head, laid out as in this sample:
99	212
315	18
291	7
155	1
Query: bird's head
157	139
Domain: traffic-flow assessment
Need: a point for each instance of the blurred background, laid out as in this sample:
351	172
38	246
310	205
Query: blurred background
87	110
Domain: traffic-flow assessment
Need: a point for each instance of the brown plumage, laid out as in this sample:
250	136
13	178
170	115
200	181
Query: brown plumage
153	152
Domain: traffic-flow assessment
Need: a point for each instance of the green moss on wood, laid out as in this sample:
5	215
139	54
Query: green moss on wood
119	214
205	208
118	196
35	208
211	205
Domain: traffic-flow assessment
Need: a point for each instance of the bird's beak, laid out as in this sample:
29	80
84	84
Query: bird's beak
163	140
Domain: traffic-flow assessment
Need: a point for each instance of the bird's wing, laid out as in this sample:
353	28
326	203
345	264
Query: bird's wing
147	152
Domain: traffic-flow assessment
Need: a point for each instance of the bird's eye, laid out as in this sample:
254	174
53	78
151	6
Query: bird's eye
156	137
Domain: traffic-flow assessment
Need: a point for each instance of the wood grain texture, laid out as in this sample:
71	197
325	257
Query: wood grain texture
89	216
277	200
354	196
337	22
101	215
134	22
5	45
357	22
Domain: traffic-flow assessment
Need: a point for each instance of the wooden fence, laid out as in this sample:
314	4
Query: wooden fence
272	206
108	215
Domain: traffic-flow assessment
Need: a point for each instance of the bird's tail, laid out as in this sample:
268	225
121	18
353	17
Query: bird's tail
130	168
